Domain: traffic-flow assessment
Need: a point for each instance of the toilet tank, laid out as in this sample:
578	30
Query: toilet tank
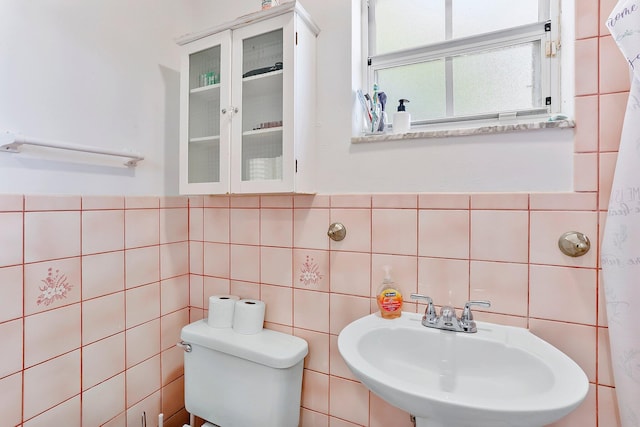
235	380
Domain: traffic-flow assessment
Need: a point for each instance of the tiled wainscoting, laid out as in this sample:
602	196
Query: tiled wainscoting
503	248
94	291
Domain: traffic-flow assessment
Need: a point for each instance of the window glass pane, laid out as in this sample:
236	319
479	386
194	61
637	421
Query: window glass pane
422	84
403	24
471	17
504	79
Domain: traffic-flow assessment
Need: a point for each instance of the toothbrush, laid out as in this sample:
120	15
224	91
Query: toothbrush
374	110
363	102
382	97
368	98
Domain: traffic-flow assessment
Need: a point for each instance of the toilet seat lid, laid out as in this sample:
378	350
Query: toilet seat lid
270	348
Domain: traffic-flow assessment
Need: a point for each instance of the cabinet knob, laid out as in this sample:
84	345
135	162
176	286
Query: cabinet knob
234	110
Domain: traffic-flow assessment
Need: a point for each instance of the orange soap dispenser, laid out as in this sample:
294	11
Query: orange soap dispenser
389	297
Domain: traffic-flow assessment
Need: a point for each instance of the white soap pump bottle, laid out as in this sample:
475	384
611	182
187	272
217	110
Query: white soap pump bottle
401	118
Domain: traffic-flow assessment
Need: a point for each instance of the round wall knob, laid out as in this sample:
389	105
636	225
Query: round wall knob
337	231
574	243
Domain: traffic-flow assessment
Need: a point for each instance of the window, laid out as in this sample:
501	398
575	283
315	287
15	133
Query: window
465	60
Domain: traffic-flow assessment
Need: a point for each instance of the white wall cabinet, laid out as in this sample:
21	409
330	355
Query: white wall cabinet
247	107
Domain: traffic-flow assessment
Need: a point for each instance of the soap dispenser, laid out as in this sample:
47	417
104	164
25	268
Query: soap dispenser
389	297
401	118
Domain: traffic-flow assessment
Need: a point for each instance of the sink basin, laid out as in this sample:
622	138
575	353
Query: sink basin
498	376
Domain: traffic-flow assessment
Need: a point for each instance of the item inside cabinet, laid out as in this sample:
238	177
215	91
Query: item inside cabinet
277	66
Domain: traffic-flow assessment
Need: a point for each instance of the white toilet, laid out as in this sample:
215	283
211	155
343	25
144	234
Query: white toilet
235	380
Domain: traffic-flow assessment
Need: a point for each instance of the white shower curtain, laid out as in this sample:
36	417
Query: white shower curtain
620	256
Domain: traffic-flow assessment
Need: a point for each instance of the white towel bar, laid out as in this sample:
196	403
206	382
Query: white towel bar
10	143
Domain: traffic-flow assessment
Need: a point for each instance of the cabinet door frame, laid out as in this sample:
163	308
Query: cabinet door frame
287	24
223	39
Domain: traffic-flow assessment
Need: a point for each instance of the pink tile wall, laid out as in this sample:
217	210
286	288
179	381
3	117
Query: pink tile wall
500	247
93	293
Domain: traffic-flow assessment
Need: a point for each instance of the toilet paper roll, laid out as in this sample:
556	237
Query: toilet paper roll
248	316
221	309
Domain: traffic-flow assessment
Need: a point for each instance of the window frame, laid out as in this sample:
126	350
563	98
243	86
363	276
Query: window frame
546	30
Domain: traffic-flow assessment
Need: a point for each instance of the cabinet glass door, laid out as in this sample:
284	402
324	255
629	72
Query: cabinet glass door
262	113
204	155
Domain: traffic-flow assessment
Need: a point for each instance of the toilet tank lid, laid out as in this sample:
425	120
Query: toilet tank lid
270	348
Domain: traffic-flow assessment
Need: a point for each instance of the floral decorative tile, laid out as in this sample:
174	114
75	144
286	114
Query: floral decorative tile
55	287
310	273
51	284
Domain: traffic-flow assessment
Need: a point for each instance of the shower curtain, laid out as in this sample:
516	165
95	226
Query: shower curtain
620	254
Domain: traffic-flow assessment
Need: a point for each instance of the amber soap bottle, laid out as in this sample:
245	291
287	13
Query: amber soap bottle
389	297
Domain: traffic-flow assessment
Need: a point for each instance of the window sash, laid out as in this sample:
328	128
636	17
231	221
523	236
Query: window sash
447	49
544	15
459	46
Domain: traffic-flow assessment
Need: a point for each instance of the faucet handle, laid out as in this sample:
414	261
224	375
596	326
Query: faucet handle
466	319
430	314
424	297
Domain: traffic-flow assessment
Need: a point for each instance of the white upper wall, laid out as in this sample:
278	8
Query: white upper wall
101	73
106	73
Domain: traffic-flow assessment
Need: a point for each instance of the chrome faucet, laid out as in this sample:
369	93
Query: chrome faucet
448	320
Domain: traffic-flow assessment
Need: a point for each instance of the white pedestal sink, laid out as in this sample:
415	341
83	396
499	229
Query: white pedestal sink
500	376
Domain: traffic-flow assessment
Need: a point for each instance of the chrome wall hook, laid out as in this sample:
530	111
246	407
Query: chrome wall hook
337	231
574	243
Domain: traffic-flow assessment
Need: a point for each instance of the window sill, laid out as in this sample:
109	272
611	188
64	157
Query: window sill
485	129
